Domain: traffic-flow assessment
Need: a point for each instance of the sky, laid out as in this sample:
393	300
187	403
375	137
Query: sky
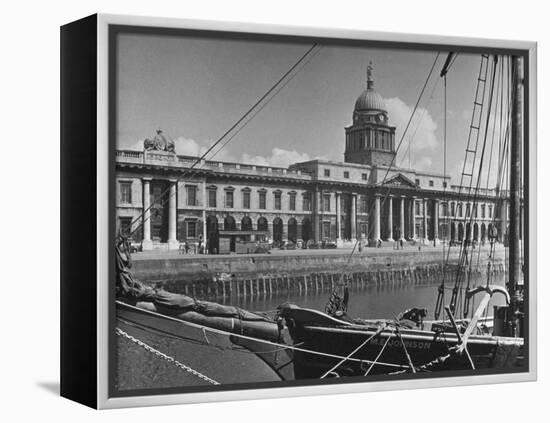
194	89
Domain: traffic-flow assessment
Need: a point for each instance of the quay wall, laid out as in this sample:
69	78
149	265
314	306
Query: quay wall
219	277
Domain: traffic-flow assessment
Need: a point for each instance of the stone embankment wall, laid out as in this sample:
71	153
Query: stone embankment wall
219	277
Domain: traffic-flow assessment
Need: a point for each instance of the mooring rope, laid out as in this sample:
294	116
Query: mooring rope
264	341
354	351
172	360
380	353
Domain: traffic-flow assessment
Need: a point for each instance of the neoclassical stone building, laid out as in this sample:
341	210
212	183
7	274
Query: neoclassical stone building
166	202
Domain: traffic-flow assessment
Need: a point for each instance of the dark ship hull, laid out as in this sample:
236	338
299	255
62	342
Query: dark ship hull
427	350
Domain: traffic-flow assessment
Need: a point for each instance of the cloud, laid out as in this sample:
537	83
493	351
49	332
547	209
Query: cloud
422	130
424	163
279	157
190	147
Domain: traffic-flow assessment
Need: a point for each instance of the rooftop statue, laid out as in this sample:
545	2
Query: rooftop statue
159	143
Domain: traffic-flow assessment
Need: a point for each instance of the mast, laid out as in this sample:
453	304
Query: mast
514	270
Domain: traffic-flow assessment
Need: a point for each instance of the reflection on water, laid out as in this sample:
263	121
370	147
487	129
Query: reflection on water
376	301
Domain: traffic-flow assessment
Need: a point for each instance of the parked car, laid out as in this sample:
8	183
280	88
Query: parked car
290	245
312	245
135	246
328	244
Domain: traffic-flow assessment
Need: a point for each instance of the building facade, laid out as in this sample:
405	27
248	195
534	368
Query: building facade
164	199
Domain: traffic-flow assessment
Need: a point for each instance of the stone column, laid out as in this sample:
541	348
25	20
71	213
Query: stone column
338	221
173	243
147	243
436	221
413	216
376	235
316	212
402	217
390	218
353	217
204	203
425	234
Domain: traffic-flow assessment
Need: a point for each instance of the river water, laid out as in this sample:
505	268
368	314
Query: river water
385	300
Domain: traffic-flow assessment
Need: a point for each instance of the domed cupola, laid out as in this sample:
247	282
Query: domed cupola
370	139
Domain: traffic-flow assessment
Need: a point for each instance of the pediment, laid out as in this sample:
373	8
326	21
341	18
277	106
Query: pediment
399	180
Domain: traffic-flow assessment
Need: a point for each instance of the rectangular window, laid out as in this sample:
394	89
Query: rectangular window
459	210
363	229
277	200
262	205
452	209
364	176
444	184
191	195
191	229
417	208
306	202
363	204
125	225
417	182
157	196
229	199
327	172
467	210
212	202
346	174
326	229
246	200
444	209
292	202
490	212
483	211
326	202
126	192
431	183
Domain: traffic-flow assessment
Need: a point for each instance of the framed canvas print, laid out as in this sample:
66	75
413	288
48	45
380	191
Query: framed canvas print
271	211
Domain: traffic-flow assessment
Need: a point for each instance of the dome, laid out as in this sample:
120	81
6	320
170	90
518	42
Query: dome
370	99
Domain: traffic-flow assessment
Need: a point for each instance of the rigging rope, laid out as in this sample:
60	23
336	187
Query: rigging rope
263	341
335	293
235	125
380	353
354	351
172	360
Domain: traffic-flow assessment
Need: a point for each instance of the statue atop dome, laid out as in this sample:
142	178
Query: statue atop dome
159	143
370	81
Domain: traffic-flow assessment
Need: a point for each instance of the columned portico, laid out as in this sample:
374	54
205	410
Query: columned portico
147	243
390	218
173	243
353	217
376	236
402	218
